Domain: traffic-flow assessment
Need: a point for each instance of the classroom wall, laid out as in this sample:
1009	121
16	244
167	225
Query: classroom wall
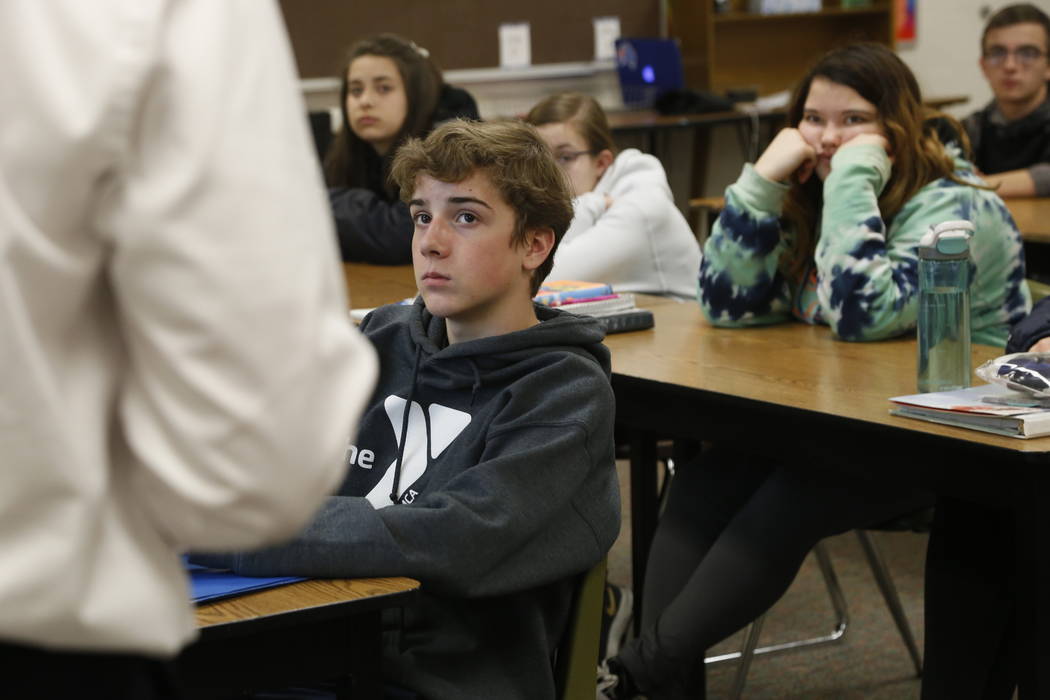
460	34
943	57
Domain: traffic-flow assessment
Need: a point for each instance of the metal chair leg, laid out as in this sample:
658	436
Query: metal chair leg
838	603
665	488
889	593
747	656
751	648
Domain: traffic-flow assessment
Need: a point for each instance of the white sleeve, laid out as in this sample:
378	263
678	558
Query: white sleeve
614	249
586	210
245	377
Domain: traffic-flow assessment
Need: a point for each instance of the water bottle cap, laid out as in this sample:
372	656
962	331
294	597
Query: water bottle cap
960	224
953	242
949	240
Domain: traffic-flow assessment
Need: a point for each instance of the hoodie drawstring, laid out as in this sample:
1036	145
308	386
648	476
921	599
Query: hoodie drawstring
404	430
477	382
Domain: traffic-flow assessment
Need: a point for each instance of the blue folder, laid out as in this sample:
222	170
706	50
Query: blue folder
214	584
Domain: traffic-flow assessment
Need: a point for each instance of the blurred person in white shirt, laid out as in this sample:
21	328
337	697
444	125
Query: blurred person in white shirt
178	368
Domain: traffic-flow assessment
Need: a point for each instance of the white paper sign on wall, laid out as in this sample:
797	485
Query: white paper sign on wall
515	45
606	32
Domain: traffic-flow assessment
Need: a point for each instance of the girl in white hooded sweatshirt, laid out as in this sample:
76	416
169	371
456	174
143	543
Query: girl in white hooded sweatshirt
626	230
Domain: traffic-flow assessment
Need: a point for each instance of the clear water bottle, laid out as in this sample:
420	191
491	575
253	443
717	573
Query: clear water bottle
944	307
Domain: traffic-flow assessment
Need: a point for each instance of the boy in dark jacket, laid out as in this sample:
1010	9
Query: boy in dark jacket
1010	137
504	490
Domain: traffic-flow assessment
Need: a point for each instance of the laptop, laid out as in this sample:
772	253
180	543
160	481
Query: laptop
647	68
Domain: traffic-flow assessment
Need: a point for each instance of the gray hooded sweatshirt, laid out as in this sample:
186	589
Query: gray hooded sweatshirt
505	491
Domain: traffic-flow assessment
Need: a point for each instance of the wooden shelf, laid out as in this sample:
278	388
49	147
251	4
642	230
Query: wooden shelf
768	53
735	17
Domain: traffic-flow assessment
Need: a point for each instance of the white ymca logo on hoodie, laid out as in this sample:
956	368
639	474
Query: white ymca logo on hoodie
445	425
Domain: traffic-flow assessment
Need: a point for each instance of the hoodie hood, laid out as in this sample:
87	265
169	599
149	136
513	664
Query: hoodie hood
501	358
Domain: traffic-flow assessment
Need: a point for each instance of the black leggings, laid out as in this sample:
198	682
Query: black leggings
734	534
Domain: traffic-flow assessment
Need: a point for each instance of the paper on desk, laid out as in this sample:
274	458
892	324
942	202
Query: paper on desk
981	399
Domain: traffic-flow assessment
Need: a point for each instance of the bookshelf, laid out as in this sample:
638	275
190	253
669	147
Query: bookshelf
741	49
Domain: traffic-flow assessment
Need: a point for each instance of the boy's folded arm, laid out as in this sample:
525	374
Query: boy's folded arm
541	508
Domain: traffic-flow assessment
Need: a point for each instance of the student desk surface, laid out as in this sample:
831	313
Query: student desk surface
651	119
375	285
792	385
304	631
1032	216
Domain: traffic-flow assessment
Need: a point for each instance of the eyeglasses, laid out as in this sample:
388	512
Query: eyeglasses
1025	55
567	158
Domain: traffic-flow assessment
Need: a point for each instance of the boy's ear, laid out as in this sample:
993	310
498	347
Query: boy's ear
538	245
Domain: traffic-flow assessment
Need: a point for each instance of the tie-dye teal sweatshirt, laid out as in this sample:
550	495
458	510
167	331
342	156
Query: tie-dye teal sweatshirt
863	280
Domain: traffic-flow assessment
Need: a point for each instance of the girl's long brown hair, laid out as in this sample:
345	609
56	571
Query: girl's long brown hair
880	77
351	162
582	111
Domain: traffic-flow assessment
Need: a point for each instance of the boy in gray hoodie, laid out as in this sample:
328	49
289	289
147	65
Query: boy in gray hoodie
504	489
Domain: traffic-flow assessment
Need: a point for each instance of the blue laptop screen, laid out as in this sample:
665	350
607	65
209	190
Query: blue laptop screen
647	68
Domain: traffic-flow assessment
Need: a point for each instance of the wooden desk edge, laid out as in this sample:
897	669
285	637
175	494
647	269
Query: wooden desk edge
1035	448
257	609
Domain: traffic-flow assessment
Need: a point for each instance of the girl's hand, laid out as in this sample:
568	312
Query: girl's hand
876	139
608	201
787	154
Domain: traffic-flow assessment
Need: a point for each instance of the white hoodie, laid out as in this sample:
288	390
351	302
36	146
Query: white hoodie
177	369
641	243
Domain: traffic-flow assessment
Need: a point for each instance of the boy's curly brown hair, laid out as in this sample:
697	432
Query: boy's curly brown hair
514	158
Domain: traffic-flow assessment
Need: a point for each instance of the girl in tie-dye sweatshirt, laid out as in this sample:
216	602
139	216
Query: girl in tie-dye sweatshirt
857	269
823	228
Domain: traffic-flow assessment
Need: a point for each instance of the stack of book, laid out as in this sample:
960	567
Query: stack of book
617	312
992	408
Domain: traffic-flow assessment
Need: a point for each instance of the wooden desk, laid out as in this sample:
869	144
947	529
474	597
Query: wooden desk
789	385
946	101
1032	216
312	630
375	285
650	119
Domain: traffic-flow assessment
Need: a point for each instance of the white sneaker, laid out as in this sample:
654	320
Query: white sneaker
616	619
607	683
612	685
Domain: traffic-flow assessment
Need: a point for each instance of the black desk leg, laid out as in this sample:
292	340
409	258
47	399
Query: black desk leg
364	635
644	509
971	606
1033	583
